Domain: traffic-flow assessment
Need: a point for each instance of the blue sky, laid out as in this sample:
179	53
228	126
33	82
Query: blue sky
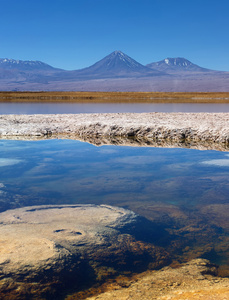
73	34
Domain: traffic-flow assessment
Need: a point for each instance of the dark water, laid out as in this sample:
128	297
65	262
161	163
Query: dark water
185	192
66	108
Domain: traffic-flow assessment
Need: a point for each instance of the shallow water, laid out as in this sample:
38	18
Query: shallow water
184	192
66	108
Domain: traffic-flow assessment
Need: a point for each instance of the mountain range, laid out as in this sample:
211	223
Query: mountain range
115	72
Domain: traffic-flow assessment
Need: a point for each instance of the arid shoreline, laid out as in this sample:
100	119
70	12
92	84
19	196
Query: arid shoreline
115	97
193	130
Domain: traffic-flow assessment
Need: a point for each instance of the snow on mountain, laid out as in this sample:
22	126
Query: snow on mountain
115	72
177	64
117	64
117	61
24	65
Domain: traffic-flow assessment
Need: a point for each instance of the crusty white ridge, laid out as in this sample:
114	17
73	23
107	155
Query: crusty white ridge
211	129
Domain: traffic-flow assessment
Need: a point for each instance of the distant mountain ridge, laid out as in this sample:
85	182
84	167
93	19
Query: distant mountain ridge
116	63
24	65
177	64
115	72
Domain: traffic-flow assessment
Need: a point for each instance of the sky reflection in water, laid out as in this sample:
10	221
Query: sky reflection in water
79	108
184	190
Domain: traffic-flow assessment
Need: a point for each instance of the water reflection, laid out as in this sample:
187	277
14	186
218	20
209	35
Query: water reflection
182	192
68	108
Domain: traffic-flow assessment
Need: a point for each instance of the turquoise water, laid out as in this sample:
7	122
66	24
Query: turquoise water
185	192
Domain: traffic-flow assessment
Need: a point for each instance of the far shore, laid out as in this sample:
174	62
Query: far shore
114	97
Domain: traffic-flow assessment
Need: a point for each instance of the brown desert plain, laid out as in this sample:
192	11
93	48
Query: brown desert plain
153	97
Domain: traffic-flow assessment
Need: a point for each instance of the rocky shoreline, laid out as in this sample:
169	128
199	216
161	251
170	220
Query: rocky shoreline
195	280
193	130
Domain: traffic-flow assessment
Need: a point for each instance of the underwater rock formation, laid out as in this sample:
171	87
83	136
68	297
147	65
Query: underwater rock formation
45	251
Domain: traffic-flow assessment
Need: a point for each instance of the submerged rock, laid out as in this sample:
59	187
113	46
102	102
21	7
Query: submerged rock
194	280
46	251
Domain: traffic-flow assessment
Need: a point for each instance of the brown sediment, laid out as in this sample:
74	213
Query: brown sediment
169	97
194	130
194	280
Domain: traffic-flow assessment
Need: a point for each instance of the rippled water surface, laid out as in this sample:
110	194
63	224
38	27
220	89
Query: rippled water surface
185	192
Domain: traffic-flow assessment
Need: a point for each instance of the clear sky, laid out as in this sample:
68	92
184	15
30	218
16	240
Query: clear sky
74	34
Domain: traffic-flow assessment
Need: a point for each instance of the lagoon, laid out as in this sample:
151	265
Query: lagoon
76	108
181	193
180	189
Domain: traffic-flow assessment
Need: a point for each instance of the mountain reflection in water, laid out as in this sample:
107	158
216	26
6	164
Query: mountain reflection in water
183	192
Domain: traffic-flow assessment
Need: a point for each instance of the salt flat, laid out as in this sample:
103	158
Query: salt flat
197	130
